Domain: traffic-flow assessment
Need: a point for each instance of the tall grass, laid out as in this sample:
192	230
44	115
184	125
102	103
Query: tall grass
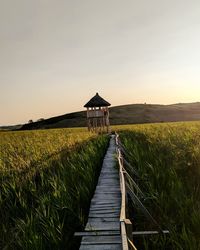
19	150
47	179
167	157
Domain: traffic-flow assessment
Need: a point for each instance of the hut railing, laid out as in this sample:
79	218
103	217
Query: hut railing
95	113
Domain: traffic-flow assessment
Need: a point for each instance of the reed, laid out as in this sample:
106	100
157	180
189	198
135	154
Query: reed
47	179
167	158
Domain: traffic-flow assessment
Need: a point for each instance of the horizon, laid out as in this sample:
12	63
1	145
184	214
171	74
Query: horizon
76	111
56	54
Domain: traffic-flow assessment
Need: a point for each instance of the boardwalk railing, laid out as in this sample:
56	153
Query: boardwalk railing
125	223
125	180
108	223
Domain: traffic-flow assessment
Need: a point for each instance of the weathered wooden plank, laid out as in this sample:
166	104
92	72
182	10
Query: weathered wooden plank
108	239
114	200
95	233
106	226
104	206
104	216
105	187
113	203
144	233
108	178
101	247
107	214
109	175
107	197
108	186
104	210
110	193
109	219
108	183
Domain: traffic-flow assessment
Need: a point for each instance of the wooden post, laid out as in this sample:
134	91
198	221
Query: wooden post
129	229
88	119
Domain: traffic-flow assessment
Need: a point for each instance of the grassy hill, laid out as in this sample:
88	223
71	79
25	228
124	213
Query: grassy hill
6	128
126	114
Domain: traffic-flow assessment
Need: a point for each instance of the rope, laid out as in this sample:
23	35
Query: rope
137	201
132	168
130	179
132	245
134	197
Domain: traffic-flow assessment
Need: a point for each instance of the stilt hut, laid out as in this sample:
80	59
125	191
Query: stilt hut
98	114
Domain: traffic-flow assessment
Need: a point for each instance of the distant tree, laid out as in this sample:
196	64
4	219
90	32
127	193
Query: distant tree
30	121
41	119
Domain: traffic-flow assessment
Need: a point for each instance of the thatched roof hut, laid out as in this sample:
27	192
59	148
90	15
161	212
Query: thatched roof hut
97	114
97	101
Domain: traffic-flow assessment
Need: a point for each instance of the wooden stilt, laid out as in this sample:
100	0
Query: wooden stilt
98	115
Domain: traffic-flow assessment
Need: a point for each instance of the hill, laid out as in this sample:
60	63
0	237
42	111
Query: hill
6	128
126	114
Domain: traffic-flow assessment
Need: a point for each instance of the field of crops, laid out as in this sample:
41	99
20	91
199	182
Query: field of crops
167	159
47	178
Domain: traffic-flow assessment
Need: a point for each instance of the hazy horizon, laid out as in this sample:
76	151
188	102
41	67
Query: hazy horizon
83	109
55	55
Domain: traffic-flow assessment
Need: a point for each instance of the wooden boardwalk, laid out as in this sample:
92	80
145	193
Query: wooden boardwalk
102	231
108	227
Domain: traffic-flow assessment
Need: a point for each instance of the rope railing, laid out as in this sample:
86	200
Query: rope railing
129	186
125	224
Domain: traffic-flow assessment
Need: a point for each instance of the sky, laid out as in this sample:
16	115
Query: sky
56	54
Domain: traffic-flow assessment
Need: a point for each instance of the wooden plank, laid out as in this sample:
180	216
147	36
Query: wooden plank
104	206
100	233
144	233
107	191
109	219
104	209
106	226
113	202
108	239
108	197
107	194
107	214
104	216
101	247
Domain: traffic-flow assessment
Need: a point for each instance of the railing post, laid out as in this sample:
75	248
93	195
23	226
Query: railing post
129	230
126	225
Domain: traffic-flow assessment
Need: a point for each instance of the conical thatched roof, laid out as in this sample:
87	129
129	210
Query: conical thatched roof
97	101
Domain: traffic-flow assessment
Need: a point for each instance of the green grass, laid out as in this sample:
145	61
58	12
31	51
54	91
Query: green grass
167	157
47	179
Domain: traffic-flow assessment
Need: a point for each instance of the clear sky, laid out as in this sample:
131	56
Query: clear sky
56	54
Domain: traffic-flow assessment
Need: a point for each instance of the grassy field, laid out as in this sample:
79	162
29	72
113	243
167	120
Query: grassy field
47	179
167	158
